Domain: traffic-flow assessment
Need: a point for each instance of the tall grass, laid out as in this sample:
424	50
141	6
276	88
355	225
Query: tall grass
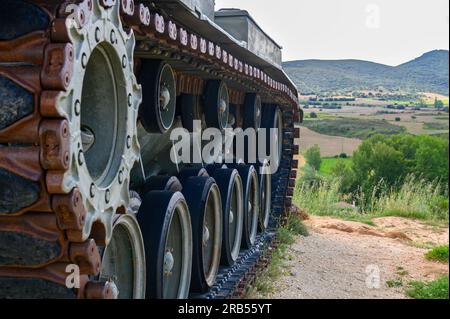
415	198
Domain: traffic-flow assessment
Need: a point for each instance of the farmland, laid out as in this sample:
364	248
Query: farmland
353	127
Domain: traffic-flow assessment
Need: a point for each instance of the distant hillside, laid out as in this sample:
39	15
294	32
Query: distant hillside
428	73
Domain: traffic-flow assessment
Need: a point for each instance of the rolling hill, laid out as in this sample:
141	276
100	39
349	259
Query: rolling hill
428	73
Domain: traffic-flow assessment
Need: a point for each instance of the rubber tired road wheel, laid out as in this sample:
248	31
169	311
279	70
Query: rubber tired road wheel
190	110
123	261
157	112
230	185
251	204
252	111
166	227
265	191
272	118
203	197
191	172
217	104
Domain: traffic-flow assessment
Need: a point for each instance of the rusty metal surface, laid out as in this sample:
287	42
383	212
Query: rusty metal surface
40	239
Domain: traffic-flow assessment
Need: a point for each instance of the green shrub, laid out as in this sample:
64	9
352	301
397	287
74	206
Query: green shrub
439	254
313	157
437	289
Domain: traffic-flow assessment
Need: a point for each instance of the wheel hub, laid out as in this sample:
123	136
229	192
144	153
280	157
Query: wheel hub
164	98
206	235
101	105
169	262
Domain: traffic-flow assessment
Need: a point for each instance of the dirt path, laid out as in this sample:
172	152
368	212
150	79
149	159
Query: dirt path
351	260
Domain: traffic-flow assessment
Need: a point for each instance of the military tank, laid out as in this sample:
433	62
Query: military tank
94	199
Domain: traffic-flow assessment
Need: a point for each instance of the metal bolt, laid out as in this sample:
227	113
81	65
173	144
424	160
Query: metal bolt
130	100
120	177
80	158
128	141
97	34
77	108
84	60
113	37
124	61
92	190
107	196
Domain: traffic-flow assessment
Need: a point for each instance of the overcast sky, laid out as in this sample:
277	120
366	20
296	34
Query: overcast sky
386	31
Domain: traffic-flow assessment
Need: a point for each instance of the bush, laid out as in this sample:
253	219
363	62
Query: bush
313	157
310	176
437	289
439	254
343	155
313	115
397	119
391	159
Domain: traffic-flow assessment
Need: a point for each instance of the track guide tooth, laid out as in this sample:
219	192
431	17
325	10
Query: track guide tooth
69	210
86	256
55	144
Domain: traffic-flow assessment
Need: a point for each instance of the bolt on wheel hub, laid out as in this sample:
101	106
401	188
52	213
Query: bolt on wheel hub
169	262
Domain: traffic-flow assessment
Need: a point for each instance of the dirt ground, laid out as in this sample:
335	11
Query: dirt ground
350	260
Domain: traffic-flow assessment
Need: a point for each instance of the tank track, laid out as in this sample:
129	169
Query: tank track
43	233
232	282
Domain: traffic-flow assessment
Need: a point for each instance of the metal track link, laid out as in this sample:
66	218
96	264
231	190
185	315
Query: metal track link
43	217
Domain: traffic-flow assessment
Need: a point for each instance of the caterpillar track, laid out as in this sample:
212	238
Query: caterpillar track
92	204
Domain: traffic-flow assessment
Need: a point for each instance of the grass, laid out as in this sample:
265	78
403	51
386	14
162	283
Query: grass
415	199
394	283
436	126
436	289
286	236
439	254
352	127
328	163
402	271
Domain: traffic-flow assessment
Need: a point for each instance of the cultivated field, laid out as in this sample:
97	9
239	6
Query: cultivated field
415	122
329	145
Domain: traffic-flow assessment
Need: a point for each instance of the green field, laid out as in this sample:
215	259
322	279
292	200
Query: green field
436	126
329	162
352	127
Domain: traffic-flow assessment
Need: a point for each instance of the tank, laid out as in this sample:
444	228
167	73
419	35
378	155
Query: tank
146	149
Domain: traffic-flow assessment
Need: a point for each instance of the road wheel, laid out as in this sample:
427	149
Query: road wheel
166	227
123	260
230	185
203	197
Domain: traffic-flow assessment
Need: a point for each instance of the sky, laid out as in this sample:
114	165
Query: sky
391	32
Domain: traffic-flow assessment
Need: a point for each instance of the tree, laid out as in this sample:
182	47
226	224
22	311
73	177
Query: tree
313	157
346	176
375	161
438	104
431	158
